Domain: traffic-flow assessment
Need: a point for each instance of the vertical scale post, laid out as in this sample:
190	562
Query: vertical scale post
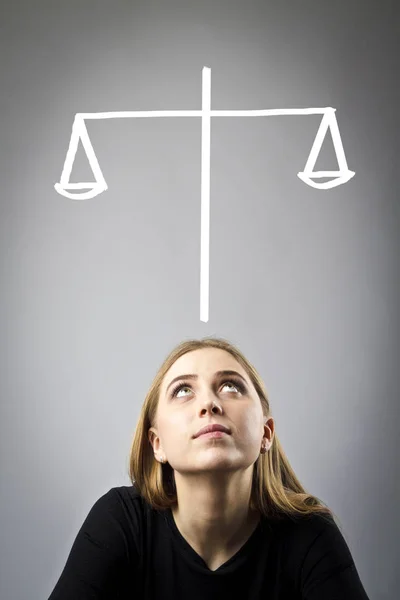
205	194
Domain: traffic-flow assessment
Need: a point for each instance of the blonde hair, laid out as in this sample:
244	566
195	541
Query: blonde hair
276	491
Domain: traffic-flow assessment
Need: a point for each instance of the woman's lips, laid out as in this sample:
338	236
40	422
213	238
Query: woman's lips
212	434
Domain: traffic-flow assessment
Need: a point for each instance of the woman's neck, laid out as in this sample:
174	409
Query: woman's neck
214	516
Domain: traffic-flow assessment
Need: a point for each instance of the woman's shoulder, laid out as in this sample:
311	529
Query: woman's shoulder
315	535
126	497
121	504
126	492
299	531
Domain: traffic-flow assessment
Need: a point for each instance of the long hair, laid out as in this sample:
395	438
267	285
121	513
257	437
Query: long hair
276	491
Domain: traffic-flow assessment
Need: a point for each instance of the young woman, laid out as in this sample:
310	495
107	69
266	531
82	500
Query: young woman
215	509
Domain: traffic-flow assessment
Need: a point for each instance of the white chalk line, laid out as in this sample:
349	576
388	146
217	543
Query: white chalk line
205	195
267	112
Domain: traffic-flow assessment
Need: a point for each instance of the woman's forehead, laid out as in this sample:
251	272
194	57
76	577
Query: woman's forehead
203	361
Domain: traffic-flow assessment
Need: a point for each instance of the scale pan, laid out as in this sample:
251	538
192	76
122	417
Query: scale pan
338	178
94	189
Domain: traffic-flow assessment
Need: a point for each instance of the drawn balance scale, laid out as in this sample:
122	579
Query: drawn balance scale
79	132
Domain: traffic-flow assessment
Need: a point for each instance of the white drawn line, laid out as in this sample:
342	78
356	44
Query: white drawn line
79	131
338	177
146	114
205	195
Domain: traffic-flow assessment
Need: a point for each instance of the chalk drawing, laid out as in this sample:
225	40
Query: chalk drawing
79	132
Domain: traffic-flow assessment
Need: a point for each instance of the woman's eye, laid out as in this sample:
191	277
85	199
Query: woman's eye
232	385
227	383
180	389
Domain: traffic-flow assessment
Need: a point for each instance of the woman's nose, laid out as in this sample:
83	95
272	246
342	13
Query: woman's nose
210	402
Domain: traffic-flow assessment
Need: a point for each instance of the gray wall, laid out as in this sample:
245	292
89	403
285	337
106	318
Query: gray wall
96	292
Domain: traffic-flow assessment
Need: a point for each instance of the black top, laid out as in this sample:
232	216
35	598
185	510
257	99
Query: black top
126	550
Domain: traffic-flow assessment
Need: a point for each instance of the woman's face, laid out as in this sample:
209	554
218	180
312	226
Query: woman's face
188	404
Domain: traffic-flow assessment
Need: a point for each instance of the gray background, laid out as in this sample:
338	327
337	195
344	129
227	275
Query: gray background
95	293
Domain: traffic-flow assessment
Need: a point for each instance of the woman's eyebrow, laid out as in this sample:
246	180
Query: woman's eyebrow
195	376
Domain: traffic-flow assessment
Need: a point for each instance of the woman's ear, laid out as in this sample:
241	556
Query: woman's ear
153	437
269	428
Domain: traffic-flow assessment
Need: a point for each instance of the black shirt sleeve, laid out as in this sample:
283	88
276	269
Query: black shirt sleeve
329	571
97	565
